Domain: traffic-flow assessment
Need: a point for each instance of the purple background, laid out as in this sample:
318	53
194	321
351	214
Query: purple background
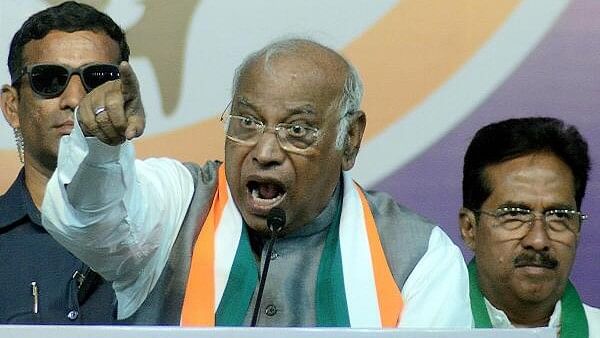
559	79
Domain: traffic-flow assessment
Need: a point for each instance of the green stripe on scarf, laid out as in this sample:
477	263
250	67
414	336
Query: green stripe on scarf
240	285
480	314
331	307
330	298
573	323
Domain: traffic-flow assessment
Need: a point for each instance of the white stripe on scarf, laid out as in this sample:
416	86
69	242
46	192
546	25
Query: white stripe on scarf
361	293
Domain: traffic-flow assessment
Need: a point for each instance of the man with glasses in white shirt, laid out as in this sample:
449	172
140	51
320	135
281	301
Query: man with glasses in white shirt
186	243
523	184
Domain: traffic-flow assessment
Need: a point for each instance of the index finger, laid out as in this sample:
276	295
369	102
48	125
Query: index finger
129	82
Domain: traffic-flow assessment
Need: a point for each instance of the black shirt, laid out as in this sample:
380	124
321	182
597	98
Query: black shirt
68	292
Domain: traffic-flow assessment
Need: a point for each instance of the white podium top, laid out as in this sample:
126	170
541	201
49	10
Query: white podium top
54	331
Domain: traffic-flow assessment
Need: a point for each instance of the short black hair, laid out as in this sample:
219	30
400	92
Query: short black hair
69	17
512	138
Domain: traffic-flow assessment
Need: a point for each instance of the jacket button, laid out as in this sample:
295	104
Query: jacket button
271	310
72	315
274	255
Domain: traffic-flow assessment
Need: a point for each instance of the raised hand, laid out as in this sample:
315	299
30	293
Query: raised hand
113	112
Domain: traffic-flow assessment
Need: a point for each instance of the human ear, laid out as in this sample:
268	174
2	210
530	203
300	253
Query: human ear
9	103
356	129
468	227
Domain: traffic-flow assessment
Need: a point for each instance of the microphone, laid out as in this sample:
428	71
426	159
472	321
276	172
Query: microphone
275	222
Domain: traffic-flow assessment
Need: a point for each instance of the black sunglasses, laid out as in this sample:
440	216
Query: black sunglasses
50	80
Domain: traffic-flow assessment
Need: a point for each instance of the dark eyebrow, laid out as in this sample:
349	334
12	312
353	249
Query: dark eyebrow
560	206
514	204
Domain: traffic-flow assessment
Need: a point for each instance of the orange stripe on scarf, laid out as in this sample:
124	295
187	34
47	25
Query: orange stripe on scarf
199	301
388	294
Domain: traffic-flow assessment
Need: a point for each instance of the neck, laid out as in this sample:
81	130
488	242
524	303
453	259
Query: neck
532	319
524	314
35	181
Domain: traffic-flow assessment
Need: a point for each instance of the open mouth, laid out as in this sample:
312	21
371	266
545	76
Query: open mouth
265	194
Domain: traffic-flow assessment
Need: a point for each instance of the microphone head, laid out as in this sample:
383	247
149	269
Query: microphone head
276	219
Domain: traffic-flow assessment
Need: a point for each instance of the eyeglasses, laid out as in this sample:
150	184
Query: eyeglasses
293	137
557	220
50	80
298	138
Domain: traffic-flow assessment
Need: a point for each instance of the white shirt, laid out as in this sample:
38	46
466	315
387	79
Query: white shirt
501	321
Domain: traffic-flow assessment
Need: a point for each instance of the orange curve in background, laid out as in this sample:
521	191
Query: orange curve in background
410	52
406	55
415	48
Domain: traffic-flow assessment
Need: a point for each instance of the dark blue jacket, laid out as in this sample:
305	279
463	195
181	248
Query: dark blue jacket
68	291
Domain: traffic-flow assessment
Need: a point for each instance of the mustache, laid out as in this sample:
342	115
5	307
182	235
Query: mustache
541	259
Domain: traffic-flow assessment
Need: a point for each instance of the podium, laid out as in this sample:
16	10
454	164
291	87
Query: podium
55	331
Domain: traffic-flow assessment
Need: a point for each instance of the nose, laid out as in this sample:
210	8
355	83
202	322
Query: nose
70	98
537	238
267	151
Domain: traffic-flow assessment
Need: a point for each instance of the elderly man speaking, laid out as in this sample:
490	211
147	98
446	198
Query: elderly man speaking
187	244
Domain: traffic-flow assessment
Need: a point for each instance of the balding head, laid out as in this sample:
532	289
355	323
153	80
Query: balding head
310	56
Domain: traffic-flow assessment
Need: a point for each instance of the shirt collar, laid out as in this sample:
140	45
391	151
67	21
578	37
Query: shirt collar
16	204
500	320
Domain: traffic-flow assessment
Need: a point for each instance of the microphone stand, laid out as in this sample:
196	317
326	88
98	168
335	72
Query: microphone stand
275	221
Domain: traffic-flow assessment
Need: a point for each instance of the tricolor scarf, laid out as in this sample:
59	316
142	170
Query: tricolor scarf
573	323
355	286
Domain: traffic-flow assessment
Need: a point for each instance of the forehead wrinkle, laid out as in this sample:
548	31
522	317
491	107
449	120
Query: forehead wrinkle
306	99
291	108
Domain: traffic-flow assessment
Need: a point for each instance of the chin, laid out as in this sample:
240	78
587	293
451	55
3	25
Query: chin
256	223
536	292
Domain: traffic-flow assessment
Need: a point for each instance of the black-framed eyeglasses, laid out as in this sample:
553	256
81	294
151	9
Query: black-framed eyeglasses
557	220
297	138
49	80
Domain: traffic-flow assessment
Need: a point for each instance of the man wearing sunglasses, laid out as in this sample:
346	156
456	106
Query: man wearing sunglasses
523	184
186	243
58	56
